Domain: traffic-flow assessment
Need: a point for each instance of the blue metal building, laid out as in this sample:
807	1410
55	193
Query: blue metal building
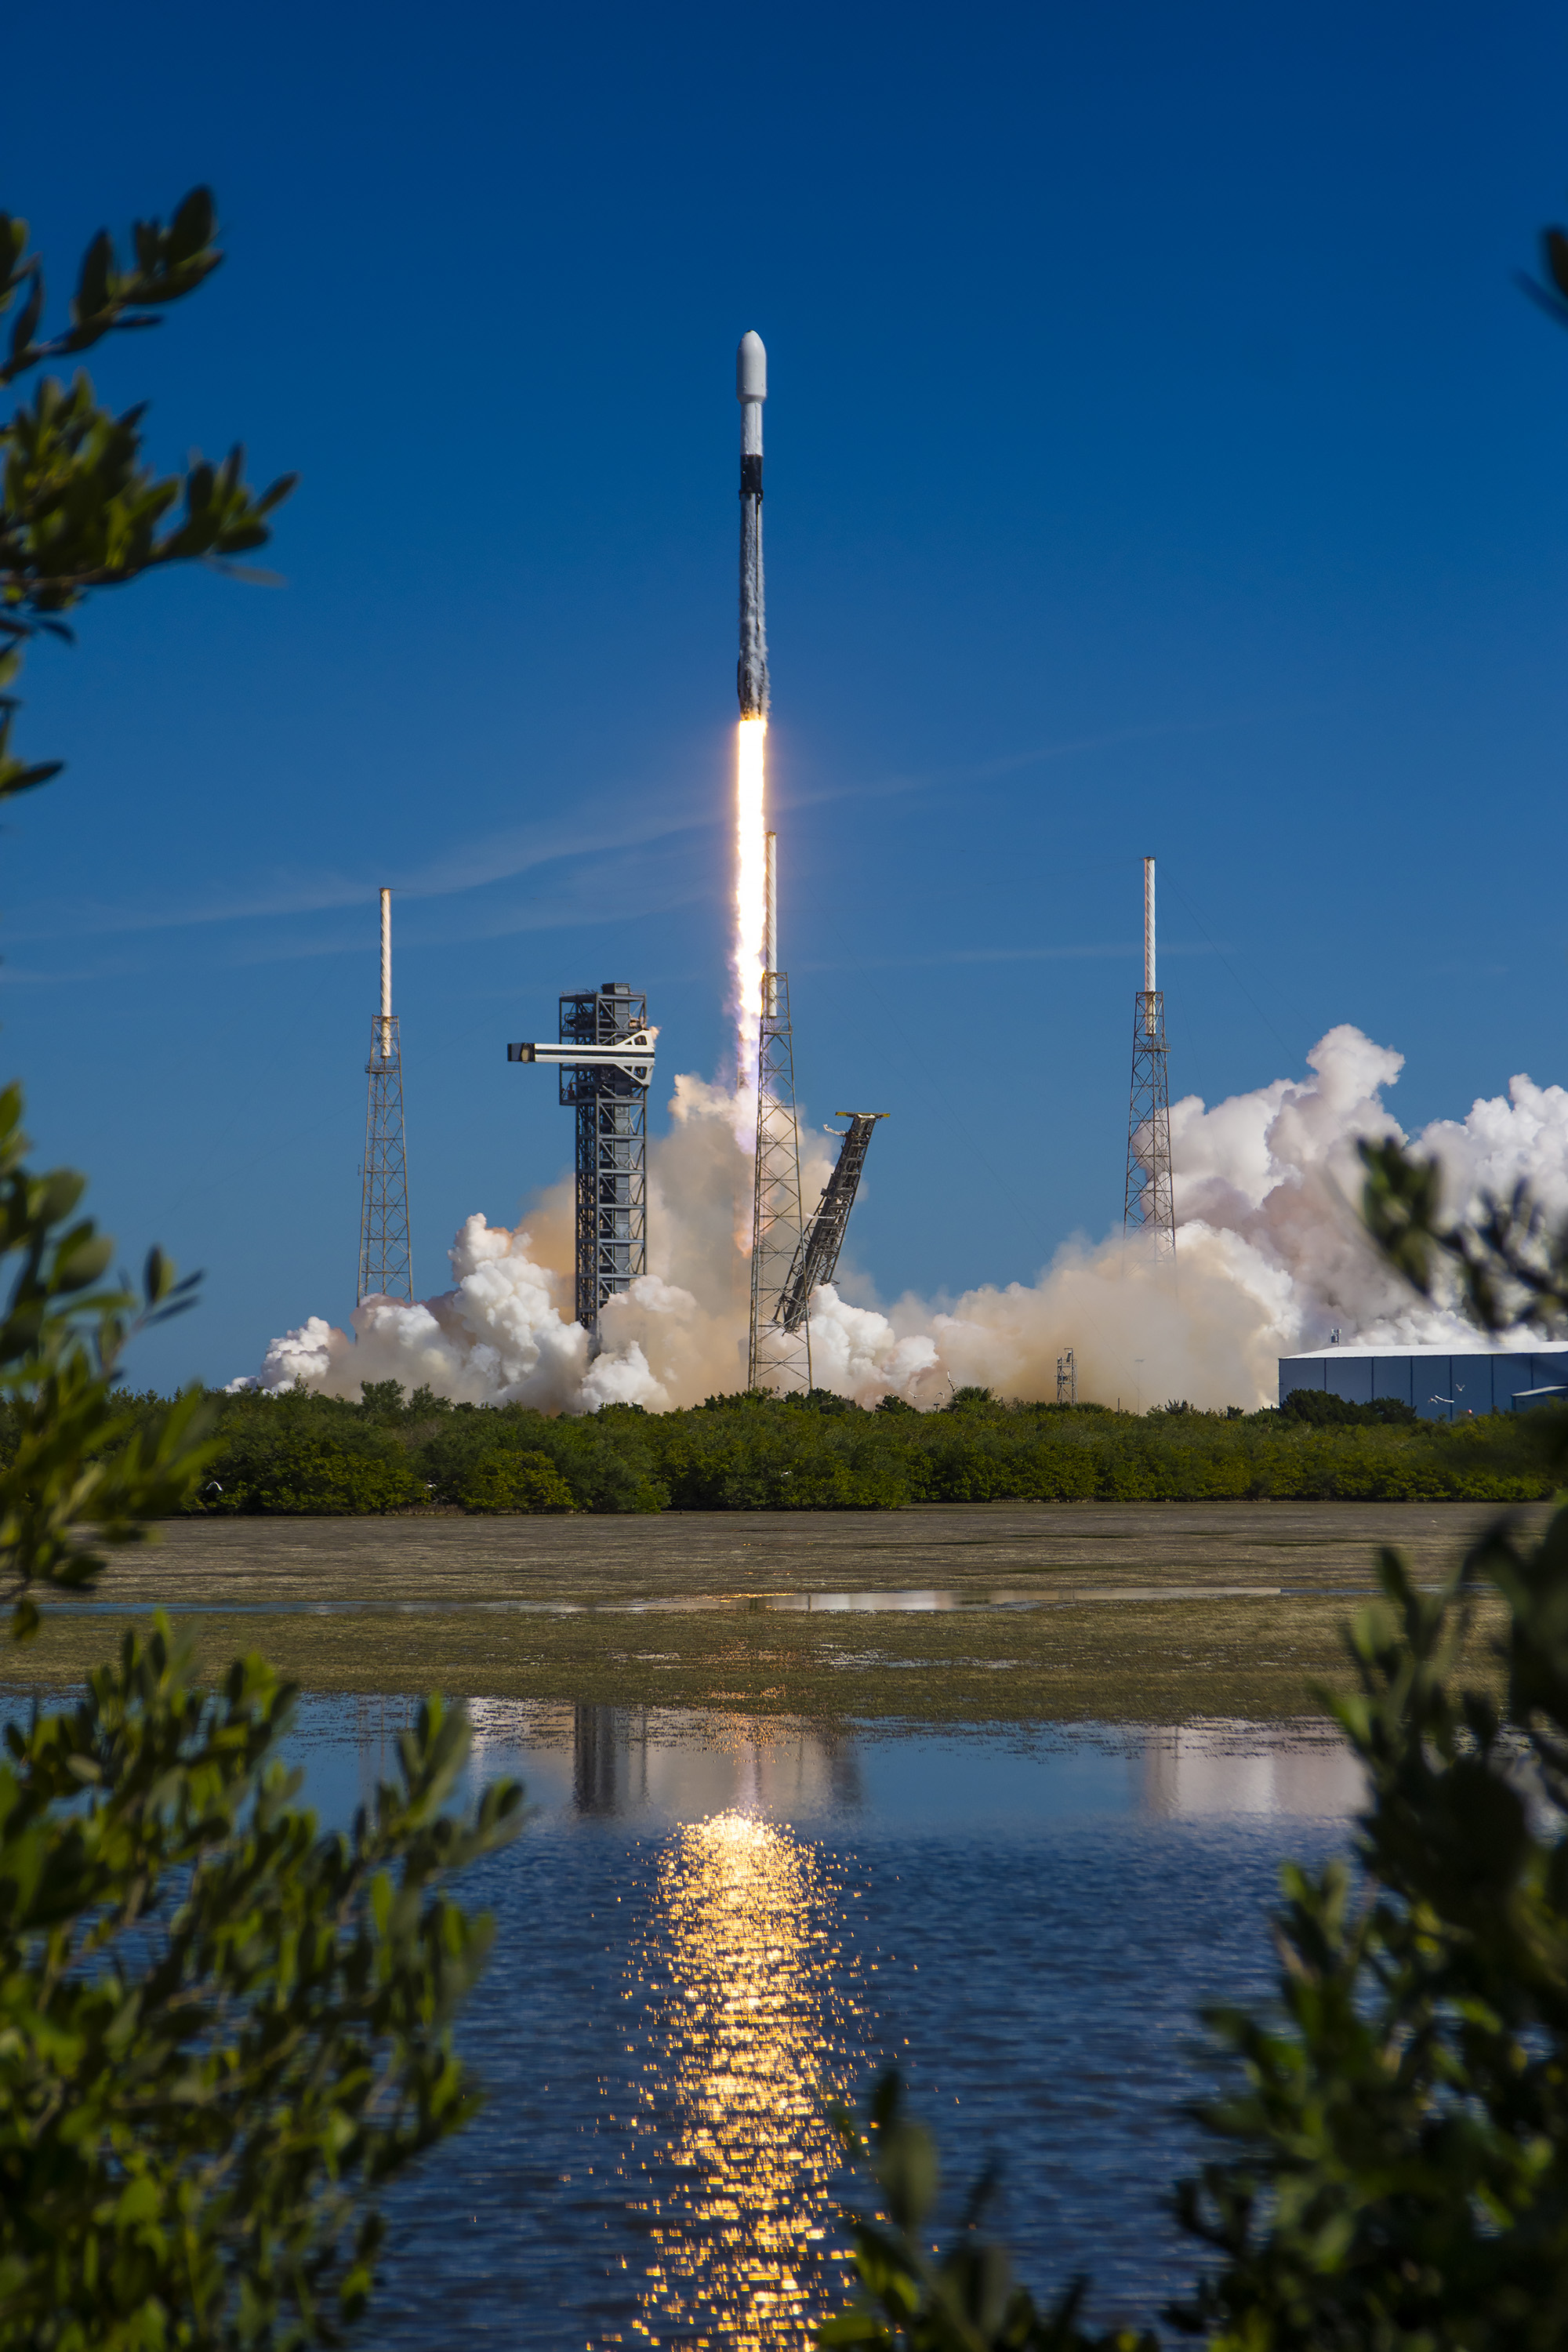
1439	1385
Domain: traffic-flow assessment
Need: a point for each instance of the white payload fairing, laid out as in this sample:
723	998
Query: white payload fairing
751	391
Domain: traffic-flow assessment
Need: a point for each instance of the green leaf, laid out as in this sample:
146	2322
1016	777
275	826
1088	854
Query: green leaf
93	287
1554	248
191	230
27	318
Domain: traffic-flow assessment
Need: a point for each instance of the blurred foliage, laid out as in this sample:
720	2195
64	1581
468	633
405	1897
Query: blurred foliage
1507	1259
222	2032
79	507
84	1465
309	1454
1393	2130
222	2035
913	2294
1397	2167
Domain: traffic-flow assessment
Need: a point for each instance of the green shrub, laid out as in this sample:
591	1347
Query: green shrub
751	1452
1318	1407
516	1482
311	1478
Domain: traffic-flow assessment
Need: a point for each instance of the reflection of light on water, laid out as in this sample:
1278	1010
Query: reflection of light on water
1297	1771
738	2232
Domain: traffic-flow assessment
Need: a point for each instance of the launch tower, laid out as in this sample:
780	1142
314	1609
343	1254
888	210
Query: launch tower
605	1061
611	1103
386	1266
1151	1205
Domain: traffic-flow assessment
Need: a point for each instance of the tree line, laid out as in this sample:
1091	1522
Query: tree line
304	1453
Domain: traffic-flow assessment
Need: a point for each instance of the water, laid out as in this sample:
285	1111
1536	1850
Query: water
710	1925
919	1601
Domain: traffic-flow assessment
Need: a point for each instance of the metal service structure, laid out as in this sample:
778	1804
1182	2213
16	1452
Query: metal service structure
604	1056
1150	1208
816	1259
385	1259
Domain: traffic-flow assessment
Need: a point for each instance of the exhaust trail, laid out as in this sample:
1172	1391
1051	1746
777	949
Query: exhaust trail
750	786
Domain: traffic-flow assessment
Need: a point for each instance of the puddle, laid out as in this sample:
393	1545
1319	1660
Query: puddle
805	1604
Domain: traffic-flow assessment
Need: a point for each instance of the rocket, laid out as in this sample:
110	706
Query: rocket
751	391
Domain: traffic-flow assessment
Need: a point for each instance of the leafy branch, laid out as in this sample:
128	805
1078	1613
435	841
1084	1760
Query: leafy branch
1551	290
1511	1262
915	2298
83	1471
224	2032
79	507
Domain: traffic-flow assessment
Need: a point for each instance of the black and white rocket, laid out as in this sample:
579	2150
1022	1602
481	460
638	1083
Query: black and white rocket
751	391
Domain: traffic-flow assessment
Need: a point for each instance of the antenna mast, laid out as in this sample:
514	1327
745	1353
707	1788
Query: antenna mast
386	1266
1151	1204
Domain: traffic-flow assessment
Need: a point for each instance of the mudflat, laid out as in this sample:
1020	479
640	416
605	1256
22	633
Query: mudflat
1139	1612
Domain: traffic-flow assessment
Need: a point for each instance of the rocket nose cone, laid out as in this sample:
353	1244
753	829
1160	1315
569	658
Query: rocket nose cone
751	369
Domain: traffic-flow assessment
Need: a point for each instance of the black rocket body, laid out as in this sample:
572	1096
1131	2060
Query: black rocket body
751	391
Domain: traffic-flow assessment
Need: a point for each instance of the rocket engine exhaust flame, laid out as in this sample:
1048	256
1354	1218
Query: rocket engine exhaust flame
751	902
752	686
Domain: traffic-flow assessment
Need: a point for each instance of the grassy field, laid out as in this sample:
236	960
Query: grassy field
1146	1613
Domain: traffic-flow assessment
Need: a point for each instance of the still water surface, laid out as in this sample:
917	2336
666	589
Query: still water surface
712	1925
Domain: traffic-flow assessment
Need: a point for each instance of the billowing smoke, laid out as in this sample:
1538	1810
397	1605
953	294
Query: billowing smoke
1270	1258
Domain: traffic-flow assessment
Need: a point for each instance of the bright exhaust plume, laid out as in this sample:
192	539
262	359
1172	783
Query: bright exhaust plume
751	900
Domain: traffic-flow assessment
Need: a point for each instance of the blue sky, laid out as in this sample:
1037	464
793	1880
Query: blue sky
1161	457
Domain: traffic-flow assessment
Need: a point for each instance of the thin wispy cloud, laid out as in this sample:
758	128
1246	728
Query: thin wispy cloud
636	815
486	865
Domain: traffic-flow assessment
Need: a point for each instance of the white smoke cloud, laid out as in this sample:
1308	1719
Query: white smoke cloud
1270	1258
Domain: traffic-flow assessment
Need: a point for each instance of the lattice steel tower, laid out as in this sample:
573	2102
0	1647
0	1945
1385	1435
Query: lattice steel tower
386	1265
611	1104
1151	1205
605	1060
780	1353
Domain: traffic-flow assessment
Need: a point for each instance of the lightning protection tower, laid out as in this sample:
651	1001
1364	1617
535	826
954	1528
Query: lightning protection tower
780	1353
605	1060
1151	1206
386	1266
